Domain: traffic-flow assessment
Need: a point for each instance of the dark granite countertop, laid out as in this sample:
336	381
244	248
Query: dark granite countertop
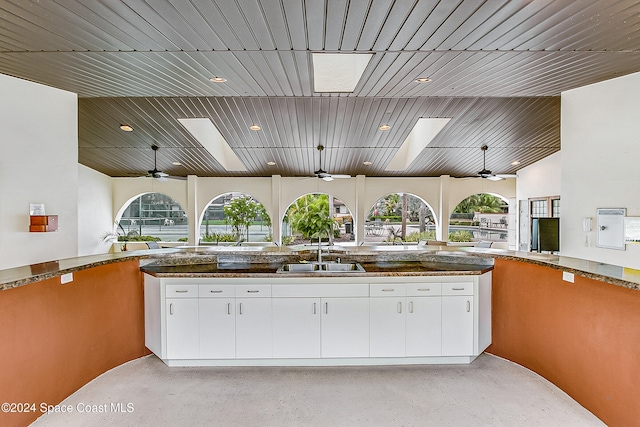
377	261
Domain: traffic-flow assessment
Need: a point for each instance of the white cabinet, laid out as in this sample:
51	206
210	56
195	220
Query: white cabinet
345	327
245	321
217	326
424	326
457	319
296	327
387	329
182	328
253	328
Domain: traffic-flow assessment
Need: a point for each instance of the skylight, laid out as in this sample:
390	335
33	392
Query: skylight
421	135
212	140
338	72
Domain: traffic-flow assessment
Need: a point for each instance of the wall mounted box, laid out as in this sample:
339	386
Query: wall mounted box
42	223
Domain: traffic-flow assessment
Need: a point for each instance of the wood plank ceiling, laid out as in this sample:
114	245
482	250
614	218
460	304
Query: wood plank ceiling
497	68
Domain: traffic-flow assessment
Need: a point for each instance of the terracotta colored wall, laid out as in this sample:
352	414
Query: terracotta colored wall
55	338
583	336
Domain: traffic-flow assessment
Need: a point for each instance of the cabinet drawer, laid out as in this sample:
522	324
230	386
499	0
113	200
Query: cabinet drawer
384	290
216	291
182	291
457	288
424	289
253	290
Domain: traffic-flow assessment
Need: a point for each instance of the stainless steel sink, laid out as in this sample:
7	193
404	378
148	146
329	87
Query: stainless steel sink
346	267
298	267
325	267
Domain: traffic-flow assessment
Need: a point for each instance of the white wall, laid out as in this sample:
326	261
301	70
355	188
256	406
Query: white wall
94	211
541	179
39	163
600	127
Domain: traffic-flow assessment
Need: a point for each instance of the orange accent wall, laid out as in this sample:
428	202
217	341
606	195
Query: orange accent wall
584	337
56	338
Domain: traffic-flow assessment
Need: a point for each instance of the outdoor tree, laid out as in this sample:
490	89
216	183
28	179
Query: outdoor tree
483	203
241	212
309	216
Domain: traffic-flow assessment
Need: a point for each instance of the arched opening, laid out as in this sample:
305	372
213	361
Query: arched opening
480	217
152	217
233	218
400	217
310	215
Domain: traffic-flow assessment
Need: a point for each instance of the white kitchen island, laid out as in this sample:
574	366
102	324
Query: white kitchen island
318	321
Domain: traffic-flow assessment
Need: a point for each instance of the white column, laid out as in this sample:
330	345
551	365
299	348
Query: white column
442	229
276	209
361	209
193	211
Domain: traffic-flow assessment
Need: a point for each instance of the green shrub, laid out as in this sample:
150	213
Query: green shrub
219	237
461	236
131	238
183	239
286	240
417	236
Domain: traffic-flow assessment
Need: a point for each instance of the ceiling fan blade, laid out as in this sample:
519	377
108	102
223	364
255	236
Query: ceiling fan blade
327	178
337	176
506	175
494	178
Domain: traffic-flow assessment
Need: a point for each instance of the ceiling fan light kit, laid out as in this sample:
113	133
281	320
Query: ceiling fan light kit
485	173
321	173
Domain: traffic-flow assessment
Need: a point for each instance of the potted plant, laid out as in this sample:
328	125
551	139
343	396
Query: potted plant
119	235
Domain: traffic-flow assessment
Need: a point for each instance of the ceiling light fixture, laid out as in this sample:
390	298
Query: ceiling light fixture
271	163
176	163
126	128
218	79
515	163
366	163
384	127
254	127
422	80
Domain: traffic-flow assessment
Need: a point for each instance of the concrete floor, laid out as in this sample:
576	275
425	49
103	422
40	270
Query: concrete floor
489	392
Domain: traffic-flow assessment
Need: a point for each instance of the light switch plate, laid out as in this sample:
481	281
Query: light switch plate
66	278
567	277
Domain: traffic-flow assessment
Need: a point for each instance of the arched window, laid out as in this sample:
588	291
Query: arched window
313	212
399	217
153	216
480	217
234	218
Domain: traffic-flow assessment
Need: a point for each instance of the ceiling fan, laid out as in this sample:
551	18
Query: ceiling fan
155	173
485	173
324	175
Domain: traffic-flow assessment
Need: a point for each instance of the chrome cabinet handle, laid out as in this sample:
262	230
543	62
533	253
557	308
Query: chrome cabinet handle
314	308
424	289
171	309
399	308
410	306
181	291
240	311
457	289
388	290
229	308
468	306
326	308
216	292
253	291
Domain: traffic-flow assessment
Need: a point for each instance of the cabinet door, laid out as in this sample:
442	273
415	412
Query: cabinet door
253	328
424	326
217	325
457	326
345	327
387	331
182	328
296	327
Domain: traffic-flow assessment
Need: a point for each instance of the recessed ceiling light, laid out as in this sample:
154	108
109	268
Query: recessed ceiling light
218	79
176	163
271	163
126	128
422	80
384	127
515	162
254	127
367	163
